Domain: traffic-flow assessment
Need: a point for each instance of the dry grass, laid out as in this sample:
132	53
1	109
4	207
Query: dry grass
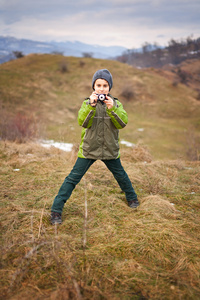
137	153
150	253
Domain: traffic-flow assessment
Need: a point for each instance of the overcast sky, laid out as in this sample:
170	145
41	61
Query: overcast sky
127	23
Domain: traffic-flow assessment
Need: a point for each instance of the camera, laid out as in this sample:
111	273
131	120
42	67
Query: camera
101	97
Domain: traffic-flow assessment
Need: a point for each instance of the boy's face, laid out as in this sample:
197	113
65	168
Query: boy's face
101	86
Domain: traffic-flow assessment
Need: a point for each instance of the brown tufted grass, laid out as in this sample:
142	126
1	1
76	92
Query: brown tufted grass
149	253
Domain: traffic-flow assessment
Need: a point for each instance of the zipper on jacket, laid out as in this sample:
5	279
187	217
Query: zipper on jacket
103	143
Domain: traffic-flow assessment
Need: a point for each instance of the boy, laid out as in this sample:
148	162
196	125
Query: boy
101	117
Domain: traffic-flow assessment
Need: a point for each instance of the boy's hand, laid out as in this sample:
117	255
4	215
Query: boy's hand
108	102
93	99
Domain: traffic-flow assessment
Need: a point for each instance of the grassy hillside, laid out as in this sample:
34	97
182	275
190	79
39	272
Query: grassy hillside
51	88
114	252
150	253
190	73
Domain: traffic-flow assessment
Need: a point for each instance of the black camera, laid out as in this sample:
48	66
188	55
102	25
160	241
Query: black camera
101	97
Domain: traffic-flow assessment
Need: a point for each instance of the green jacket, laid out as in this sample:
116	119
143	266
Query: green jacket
100	133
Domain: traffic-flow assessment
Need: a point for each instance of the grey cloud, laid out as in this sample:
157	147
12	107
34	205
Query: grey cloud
109	18
150	10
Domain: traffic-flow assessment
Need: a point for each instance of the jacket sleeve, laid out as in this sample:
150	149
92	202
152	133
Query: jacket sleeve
118	115
86	114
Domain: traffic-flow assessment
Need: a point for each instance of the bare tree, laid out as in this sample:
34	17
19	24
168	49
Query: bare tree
18	54
87	54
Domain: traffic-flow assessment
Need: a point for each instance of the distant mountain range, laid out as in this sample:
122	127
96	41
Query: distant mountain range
78	49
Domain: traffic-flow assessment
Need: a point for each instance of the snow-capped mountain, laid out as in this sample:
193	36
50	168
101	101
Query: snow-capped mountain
78	49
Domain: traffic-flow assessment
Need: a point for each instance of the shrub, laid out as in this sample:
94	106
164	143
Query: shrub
198	96
63	67
182	75
81	63
57	53
175	83
20	128
87	54
128	93
18	54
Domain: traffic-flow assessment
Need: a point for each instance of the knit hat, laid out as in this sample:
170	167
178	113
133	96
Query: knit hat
103	74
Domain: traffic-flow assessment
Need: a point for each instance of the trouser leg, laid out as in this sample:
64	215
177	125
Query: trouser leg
115	166
80	168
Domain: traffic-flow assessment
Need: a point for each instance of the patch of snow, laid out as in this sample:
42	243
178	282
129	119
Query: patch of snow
128	144
193	52
62	146
140	129
16	170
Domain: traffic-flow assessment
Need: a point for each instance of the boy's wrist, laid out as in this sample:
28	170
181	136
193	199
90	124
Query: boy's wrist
93	104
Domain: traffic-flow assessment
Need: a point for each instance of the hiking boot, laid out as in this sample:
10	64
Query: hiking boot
133	203
55	218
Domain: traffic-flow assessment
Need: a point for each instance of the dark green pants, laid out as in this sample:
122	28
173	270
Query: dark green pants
80	168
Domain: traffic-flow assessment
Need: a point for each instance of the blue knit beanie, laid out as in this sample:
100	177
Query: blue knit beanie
103	74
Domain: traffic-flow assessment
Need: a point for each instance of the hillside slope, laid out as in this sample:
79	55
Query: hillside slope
188	72
51	87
